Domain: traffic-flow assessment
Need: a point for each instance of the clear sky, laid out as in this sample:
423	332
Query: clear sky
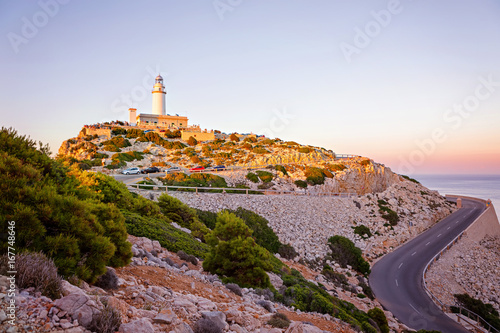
412	84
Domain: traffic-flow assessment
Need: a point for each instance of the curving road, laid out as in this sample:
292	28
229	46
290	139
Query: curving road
396	279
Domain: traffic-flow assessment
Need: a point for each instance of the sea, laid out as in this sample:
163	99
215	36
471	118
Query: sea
479	186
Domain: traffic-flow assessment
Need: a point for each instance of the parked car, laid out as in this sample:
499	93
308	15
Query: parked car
198	168
173	169
131	171
151	170
219	167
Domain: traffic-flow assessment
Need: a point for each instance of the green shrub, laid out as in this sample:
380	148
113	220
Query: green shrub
304	150
486	311
346	253
265	176
300	183
118	131
365	162
61	216
261	232
160	229
279	320
252	177
235	254
169	205
287	251
314	176
234	137
410	179
260	150
281	169
134	133
194	180
115	143
338	279
363	231
380	319
336	167
388	214
207	217
35	270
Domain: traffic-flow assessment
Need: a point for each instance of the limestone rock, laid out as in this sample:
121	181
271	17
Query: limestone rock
142	325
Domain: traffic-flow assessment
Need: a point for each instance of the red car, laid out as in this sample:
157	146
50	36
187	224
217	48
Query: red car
198	168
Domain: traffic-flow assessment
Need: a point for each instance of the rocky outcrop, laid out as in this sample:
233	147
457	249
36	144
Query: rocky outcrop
77	148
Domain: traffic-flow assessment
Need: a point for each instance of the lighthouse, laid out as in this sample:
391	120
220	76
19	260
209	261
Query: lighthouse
159	96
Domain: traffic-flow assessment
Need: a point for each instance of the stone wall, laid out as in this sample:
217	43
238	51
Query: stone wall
200	136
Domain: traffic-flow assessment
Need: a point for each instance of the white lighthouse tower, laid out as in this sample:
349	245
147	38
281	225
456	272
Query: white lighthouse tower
159	96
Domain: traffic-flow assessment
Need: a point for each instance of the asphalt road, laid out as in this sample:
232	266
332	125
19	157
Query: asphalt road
396	279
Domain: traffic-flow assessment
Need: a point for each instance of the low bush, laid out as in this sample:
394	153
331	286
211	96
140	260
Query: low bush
207	217
134	133
336	167
116	143
304	150
486	311
35	270
346	253
287	251
265	176
367	290
378	316
410	179
338	279
108	281
235	254
252	177
365	162
363	231
300	183
206	326
187	257
161	230
279	320
388	214
234	288
192	141
261	232
281	169
314	176
107	321
260	150
118	131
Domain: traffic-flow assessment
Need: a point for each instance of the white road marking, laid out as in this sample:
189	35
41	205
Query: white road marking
427	243
401	264
414	308
439	235
414	253
448	228
397	284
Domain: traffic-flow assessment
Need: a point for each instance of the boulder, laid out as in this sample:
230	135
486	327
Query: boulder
165	316
79	307
182	327
300	327
217	317
142	325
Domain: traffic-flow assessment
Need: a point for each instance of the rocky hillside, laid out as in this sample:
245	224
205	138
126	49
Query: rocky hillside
310	165
159	292
306	222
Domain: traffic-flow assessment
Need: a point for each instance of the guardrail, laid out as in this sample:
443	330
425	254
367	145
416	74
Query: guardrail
234	190
446	307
